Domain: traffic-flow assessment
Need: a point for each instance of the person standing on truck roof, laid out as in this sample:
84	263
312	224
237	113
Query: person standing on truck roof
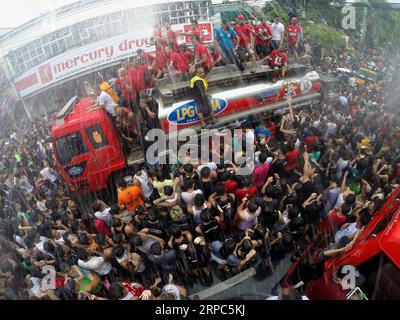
199	87
202	56
150	110
246	35
127	89
278	34
294	31
229	43
137	74
195	32
263	38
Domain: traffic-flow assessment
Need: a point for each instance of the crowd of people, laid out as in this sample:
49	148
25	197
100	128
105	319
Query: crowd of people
127	98
323	174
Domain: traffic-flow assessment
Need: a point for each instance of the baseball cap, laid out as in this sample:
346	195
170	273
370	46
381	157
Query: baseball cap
240	17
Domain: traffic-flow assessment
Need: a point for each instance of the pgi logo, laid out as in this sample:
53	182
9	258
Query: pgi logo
186	113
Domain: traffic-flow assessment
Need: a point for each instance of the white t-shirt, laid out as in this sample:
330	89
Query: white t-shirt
211	165
48	175
330	128
250	137
189	196
277	29
171	288
25	185
147	189
348	231
341	165
343	101
107	102
104	215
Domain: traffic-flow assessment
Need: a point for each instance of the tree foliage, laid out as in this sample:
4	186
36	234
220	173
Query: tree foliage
329	38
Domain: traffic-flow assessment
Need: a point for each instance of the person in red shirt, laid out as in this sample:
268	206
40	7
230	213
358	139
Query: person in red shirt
127	89
150	62
148	58
187	54
246	40
311	140
172	41
278	60
195	32
216	55
263	38
202	56
291	156
248	190
294	31
177	63
137	74
325	288
160	44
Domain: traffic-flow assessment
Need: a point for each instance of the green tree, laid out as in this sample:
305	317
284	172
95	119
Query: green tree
329	38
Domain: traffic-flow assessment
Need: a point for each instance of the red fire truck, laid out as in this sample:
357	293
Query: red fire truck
87	146
375	254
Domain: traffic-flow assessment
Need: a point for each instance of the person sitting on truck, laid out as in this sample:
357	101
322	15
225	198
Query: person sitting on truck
199	87
278	60
130	196
105	101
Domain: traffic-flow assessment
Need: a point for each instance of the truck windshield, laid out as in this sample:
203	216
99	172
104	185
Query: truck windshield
69	147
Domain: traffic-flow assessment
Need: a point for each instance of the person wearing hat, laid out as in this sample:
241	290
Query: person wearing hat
107	100
246	36
294	31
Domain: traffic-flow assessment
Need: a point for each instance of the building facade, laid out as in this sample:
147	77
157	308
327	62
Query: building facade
83	38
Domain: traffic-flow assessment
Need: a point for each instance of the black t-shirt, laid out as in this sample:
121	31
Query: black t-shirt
211	231
223	203
307	190
207	188
278	166
201	99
